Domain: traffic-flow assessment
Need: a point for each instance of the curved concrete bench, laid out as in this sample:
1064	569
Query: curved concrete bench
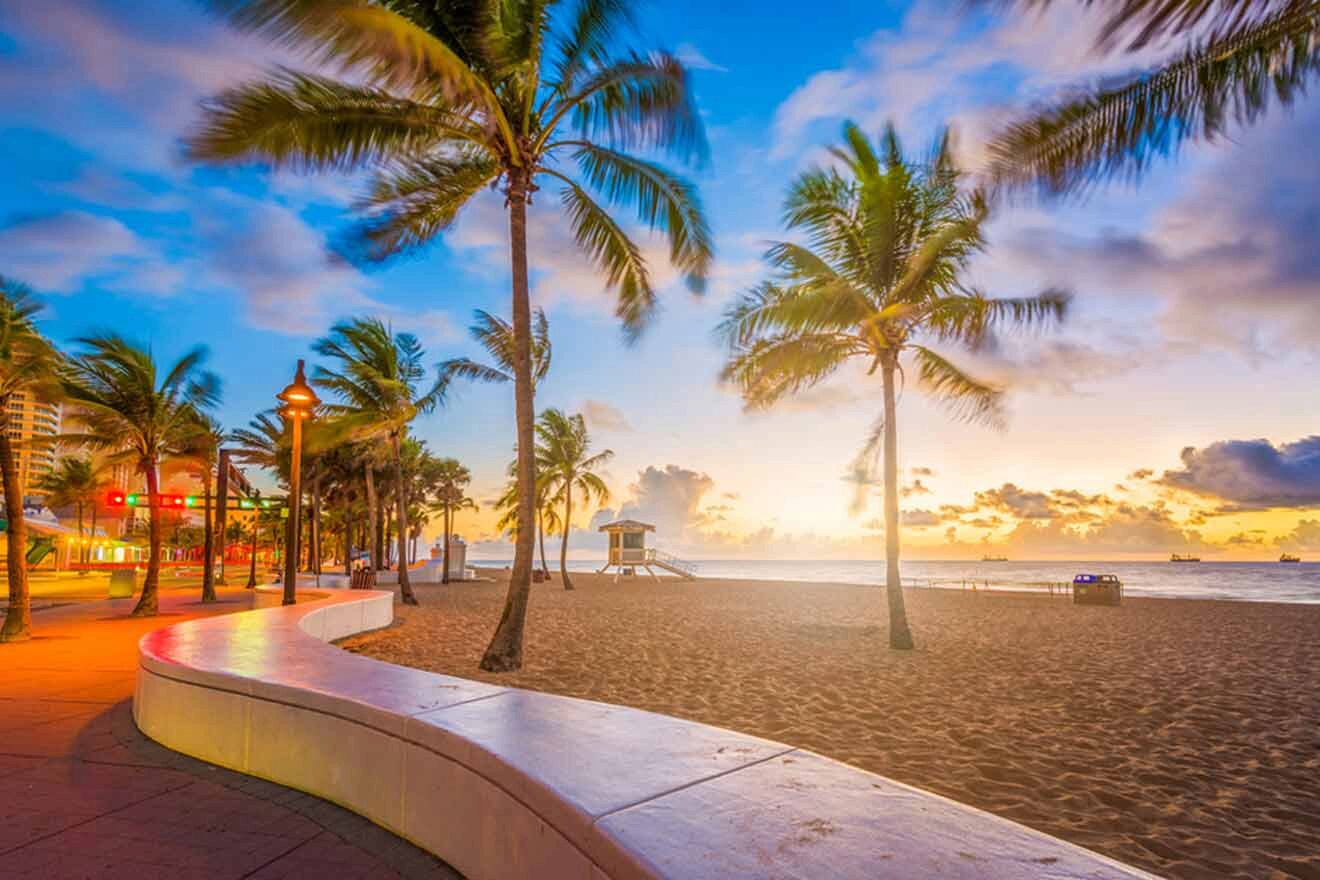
506	783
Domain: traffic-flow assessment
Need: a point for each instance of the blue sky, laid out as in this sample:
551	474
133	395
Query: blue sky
1197	317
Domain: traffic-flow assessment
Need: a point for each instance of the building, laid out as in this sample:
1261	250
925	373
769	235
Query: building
30	422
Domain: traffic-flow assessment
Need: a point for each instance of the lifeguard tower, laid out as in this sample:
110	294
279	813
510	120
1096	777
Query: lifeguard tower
628	551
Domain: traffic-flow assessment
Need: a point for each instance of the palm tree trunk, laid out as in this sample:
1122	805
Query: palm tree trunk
563	544
148	602
540	538
348	536
315	544
900	637
208	542
82	553
401	513
18	619
252	561
93	529
373	561
444	551
504	654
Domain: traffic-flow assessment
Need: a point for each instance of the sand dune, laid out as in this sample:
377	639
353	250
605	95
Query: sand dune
1179	736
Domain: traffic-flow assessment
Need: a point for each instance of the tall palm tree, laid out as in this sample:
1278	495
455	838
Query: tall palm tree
452	480
445	100
127	407
29	365
377	383
1246	56
73	482
878	282
564	463
201	448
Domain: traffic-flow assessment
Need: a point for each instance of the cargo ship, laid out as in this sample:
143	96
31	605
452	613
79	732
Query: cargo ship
1288	557
1177	558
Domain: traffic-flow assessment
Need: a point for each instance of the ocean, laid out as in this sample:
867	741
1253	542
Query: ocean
1242	581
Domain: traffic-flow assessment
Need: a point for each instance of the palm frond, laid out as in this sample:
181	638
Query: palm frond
414	201
771	368
662	201
370	39
314	123
965	398
638	102
614	254
1118	129
463	368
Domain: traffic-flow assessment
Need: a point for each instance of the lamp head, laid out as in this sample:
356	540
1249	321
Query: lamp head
299	400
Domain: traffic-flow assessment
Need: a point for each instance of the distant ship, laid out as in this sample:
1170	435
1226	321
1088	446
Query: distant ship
1288	557
1176	558
994	559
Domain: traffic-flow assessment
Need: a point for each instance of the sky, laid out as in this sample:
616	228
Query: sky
1175	411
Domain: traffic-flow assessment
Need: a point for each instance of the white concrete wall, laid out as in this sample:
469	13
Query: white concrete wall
507	784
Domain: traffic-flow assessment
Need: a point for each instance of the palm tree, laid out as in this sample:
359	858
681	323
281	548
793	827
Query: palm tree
452	479
564	464
547	515
201	447
377	382
127	407
443	100
73	482
1247	56
29	365
879	282
264	444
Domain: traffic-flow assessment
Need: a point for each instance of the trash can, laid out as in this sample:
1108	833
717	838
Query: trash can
123	583
1097	589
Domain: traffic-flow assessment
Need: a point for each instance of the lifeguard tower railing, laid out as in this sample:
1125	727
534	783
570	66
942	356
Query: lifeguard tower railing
652	556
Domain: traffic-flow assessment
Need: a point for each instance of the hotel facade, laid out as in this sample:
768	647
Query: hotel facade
33	427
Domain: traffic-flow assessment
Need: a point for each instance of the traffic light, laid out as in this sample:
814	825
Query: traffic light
117	498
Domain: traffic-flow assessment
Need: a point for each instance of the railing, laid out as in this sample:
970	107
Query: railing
671	560
1053	588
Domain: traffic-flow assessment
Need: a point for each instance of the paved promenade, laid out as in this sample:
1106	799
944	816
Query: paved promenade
85	795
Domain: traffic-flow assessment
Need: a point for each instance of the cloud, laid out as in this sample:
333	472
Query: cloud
81	67
1252	474
667	497
920	519
602	416
1218	266
1126	529
936	65
1306	536
1021	503
693	58
282	271
57	252
916	487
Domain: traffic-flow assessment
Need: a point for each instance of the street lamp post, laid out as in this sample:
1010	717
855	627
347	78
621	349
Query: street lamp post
299	402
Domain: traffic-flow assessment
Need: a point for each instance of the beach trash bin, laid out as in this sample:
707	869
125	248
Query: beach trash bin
1097	589
123	583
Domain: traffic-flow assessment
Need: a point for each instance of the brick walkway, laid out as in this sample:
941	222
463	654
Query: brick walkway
84	795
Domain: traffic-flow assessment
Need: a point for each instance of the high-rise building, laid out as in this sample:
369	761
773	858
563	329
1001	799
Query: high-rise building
32	420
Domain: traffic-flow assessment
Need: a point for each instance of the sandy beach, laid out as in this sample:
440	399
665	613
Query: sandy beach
1179	736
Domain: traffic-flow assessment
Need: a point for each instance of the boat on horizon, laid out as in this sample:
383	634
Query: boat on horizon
1288	557
994	559
1178	558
